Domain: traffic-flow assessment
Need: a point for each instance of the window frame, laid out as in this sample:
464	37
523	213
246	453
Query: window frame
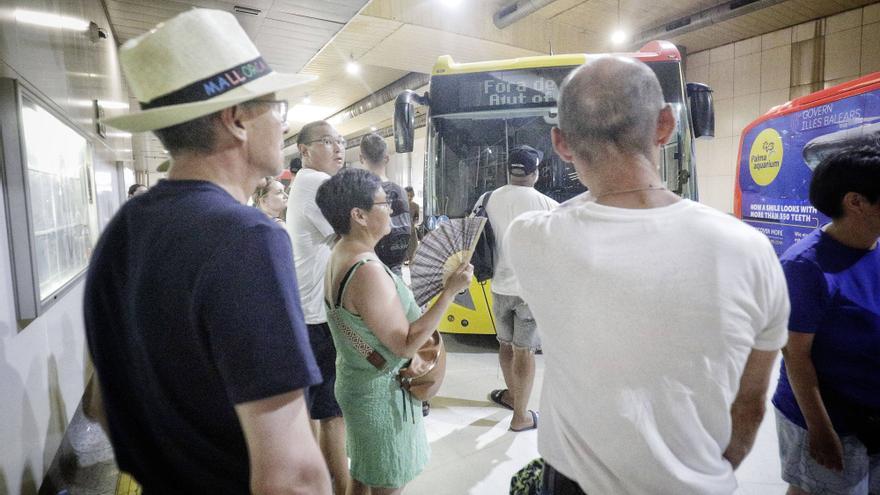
18	196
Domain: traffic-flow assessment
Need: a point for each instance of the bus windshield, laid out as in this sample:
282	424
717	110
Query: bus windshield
468	156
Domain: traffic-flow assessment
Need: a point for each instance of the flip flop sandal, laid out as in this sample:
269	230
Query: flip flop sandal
527	428
496	395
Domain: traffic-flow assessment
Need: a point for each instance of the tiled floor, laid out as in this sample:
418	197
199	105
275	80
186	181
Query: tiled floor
474	453
472	450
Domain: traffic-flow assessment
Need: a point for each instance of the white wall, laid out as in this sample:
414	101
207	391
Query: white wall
43	365
751	76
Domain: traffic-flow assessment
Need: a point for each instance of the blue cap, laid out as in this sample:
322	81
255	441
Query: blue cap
523	160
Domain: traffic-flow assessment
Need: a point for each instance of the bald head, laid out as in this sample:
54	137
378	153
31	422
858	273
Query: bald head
610	103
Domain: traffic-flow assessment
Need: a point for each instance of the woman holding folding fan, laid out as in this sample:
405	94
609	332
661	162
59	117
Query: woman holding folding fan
371	308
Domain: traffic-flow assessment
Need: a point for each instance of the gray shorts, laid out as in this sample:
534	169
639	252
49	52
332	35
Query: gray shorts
514	322
861	472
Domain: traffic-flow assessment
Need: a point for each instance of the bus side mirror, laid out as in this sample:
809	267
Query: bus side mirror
702	110
405	119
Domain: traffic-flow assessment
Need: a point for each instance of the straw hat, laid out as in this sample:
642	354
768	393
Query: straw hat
197	63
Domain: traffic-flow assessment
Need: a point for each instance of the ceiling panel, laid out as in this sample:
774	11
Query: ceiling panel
416	48
289	33
339	11
779	16
319	37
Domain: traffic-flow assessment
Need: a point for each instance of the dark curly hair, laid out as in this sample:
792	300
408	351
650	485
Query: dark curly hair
349	188
852	170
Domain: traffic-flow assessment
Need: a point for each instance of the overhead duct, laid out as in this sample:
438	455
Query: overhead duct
701	19
516	10
413	80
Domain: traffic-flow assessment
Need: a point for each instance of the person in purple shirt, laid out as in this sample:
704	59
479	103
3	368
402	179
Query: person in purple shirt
828	397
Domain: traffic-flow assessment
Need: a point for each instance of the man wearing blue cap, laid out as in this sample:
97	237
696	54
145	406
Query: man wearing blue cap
517	332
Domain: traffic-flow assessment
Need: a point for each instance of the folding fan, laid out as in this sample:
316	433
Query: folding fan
440	253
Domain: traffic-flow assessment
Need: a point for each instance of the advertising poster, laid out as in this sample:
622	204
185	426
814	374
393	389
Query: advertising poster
778	156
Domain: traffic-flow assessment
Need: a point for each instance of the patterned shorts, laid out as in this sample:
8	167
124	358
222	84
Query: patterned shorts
861	472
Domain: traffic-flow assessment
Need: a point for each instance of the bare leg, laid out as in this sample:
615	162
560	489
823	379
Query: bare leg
332	442
505	357
357	488
523	371
386	491
793	490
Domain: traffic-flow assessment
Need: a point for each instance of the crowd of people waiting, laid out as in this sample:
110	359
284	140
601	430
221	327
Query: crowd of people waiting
660	318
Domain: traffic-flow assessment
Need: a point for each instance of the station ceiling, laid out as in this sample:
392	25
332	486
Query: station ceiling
390	38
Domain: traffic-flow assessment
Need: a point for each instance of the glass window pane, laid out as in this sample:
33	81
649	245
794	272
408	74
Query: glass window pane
57	164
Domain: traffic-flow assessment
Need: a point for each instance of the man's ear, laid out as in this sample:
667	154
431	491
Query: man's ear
561	145
232	120
854	202
303	150
665	125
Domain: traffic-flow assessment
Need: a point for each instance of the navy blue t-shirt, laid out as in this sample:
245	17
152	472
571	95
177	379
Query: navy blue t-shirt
191	307
835	294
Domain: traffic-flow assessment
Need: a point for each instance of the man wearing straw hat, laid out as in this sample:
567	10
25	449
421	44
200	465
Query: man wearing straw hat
191	306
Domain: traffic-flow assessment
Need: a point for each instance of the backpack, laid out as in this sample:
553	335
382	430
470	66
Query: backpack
483	257
528	480
392	248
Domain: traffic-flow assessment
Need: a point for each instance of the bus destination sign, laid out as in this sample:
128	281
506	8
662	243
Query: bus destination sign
496	90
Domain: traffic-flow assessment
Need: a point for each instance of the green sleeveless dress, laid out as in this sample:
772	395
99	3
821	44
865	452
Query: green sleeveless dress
385	437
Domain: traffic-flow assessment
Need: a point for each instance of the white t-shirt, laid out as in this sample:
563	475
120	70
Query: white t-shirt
506	203
312	237
647	318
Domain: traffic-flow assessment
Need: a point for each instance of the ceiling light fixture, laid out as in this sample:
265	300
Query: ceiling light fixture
451	3
373	128
50	20
619	35
303	113
352	67
307	100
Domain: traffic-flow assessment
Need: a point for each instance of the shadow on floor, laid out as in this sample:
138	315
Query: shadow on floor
470	344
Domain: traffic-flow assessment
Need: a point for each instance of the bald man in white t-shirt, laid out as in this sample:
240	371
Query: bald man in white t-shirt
661	318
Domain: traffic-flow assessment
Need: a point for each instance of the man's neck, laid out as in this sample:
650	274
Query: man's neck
521	183
226	169
378	170
852	233
627	181
316	168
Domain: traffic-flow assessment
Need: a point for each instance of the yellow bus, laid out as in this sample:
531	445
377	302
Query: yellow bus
476	112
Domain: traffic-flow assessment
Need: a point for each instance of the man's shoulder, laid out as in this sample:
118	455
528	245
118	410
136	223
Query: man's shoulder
391	185
308	180
534	224
722	224
521	194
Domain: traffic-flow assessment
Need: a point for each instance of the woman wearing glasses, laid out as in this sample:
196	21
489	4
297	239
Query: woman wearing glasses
367	302
270	198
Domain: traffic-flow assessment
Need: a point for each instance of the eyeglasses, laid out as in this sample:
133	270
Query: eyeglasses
329	141
383	204
279	107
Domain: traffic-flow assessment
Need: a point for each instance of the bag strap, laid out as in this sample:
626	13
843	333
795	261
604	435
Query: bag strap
479	208
361	346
